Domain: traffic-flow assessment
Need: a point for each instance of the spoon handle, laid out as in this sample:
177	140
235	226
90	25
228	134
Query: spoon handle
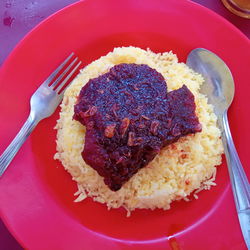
239	181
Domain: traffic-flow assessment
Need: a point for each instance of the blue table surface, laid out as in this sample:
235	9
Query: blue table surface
19	17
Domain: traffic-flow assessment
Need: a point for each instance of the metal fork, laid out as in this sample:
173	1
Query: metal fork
43	103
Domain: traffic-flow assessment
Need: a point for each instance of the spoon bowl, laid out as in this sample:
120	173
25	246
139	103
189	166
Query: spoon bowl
219	83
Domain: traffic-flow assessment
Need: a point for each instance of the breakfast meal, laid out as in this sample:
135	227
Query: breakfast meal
135	132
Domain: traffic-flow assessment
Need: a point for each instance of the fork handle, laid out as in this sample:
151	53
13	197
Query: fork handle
240	184
17	142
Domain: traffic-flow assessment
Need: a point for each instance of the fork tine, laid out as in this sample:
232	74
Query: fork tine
67	78
52	76
63	73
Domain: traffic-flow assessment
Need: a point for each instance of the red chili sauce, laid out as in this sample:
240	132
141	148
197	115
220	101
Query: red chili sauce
129	117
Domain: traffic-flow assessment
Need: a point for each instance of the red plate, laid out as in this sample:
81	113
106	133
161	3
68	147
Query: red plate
36	197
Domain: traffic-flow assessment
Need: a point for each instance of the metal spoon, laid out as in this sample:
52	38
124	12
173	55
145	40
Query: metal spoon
219	88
